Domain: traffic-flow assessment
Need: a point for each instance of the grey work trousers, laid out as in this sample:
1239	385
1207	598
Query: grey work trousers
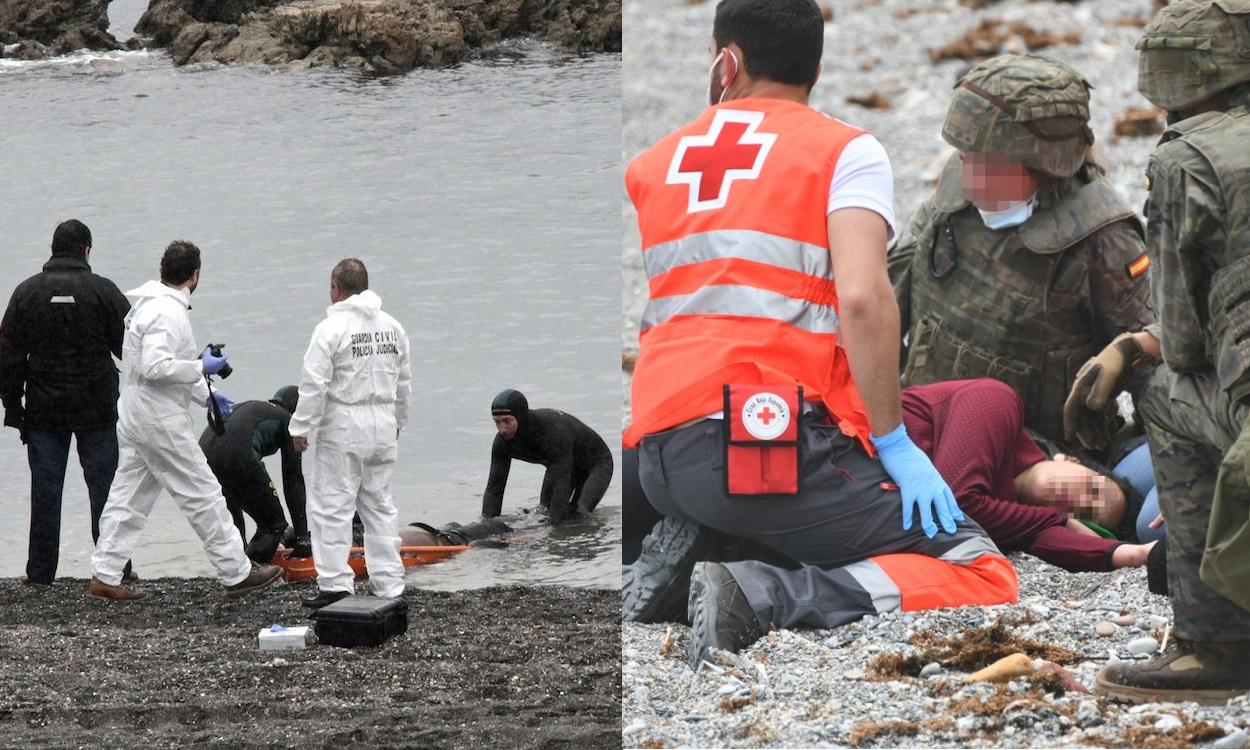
846	511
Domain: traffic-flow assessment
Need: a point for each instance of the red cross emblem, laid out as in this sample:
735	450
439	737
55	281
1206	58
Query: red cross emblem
731	150
767	415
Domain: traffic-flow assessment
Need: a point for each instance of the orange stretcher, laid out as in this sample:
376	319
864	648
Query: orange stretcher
302	569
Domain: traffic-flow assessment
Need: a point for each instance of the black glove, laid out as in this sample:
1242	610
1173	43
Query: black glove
17	420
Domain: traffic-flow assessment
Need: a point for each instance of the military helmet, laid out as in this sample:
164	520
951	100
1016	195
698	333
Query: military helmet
1192	50
1032	108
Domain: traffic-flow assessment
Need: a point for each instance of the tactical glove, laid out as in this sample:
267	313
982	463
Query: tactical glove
1089	412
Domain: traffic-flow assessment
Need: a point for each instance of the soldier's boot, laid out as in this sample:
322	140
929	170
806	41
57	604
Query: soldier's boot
720	615
1204	672
656	586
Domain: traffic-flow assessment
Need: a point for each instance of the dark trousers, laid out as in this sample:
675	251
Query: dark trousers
637	514
47	452
248	489
844	528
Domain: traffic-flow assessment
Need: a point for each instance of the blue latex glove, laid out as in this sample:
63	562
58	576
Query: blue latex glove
224	404
213	365
918	482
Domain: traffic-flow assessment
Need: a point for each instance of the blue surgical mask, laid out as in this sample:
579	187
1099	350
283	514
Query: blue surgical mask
1006	218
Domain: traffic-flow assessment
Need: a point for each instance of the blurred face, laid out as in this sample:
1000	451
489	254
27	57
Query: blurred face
505	425
1065	483
194	282
994	182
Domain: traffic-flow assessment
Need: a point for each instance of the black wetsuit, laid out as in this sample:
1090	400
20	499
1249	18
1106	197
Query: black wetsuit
257	429
579	464
455	534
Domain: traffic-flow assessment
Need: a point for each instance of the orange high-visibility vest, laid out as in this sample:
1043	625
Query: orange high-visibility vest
733	214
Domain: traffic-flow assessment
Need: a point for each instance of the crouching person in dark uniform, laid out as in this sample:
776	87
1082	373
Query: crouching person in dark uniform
579	464
254	430
57	380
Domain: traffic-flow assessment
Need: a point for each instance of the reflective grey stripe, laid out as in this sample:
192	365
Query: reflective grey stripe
966	552
746	301
885	594
739	243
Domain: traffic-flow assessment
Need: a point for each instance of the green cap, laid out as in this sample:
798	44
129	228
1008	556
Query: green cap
1032	108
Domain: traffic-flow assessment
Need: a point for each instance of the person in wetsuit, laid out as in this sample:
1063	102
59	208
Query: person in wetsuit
479	533
579	464
254	430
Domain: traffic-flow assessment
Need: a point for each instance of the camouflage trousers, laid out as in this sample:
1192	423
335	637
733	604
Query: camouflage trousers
1191	424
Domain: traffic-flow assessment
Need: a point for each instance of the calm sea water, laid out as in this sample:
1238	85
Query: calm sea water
484	200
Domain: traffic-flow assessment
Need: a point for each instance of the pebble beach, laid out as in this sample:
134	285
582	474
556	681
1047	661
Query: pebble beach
497	667
899	680
902	680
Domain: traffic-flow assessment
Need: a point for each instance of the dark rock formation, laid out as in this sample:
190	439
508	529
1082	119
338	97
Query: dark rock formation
55	27
382	36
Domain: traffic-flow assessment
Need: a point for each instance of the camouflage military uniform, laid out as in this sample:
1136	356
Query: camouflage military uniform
1026	305
1198	219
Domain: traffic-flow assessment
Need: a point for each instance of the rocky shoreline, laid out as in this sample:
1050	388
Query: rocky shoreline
374	36
904	680
499	667
32	30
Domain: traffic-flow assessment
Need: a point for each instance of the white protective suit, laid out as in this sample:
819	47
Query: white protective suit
353	394
156	435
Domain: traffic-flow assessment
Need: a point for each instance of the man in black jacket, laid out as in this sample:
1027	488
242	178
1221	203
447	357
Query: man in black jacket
579	464
254	430
57	379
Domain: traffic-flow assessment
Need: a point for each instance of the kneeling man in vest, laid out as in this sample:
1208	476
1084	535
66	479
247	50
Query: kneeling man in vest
765	402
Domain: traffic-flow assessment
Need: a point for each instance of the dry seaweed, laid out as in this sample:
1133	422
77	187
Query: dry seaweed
865	731
874	100
1190	734
991	36
1137	122
976	648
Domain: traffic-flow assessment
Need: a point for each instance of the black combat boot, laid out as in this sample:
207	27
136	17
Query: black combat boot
1204	672
656	586
720	615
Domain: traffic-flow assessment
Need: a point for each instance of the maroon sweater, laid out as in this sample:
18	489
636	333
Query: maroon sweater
973	430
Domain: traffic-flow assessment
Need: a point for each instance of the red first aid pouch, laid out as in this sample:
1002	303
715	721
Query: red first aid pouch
762	439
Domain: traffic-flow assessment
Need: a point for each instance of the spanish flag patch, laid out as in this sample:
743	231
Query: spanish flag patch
1138	267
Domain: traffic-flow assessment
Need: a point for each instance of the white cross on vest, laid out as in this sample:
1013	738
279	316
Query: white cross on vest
709	164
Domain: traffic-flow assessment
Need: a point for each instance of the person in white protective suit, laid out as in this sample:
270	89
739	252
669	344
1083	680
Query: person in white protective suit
157	438
353	401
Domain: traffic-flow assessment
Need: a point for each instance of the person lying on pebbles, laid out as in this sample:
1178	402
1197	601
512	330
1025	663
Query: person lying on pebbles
973	430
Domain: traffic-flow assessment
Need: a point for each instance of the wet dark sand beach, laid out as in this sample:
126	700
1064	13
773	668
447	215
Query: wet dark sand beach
498	667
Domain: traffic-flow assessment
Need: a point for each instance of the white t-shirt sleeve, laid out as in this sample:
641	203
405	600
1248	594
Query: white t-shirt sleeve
863	179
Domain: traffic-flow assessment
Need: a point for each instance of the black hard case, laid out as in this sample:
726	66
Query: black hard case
360	621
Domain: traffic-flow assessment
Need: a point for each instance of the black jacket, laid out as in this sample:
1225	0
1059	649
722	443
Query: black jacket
257	429
57	342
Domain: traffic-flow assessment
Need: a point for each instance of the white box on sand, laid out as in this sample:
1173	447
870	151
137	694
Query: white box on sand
279	638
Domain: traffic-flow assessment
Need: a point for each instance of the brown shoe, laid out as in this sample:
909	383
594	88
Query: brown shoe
1208	673
100	590
260	577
